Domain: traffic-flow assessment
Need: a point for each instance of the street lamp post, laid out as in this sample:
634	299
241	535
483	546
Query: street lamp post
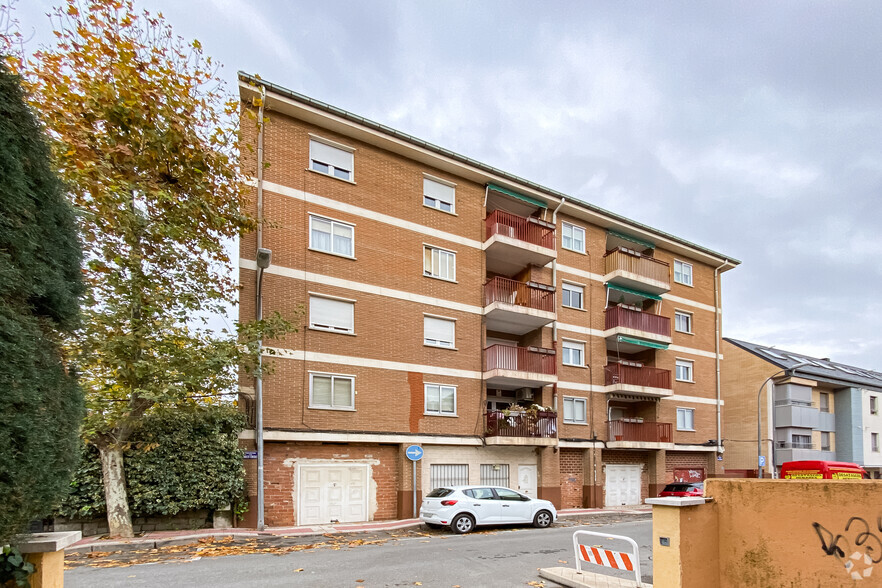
759	437
264	258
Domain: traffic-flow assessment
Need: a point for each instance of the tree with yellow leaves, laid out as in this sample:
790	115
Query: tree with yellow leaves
145	141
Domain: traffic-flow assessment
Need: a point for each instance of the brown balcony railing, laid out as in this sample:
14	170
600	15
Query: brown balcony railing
500	289
540	425
647	267
616	316
521	359
511	225
639	431
616	373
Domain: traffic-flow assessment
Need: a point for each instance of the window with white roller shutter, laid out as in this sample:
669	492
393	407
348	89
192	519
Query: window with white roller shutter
330	314
331	159
439	332
438	194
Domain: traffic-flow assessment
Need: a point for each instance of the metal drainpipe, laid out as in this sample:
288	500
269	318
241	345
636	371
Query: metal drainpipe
717	348
258	382
554	270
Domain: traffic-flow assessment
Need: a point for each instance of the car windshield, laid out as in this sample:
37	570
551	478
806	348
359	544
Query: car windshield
439	493
679	487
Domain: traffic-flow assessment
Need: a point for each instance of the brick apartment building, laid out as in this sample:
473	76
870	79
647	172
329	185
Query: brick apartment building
519	336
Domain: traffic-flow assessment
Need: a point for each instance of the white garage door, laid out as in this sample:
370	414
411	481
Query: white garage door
332	493
622	485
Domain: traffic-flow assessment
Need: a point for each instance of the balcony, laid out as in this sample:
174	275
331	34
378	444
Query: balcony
636	271
636	430
641	381
517	307
522	428
509	368
514	242
633	323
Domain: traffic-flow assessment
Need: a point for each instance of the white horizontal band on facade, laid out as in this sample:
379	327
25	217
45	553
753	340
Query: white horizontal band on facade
270	435
361	287
368	214
424	230
349	361
692	399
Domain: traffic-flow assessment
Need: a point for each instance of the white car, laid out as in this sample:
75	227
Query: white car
462	508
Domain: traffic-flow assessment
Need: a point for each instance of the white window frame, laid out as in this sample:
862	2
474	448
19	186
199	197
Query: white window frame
687	420
334	223
573	287
334	377
330	327
440	411
443	344
687	316
332	169
435	272
874	405
575	400
825	446
574	345
683	273
573	229
686	364
438	200
874	442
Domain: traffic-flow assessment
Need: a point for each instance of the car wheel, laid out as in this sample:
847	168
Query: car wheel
433	525
462	524
542	519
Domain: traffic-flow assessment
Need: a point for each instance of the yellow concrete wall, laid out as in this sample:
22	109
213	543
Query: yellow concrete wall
776	533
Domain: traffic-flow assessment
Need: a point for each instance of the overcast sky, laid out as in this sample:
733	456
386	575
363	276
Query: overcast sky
751	128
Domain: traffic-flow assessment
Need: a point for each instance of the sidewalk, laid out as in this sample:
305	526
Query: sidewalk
156	539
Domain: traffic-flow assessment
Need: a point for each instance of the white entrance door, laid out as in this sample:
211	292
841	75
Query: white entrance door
527	480
332	493
622	485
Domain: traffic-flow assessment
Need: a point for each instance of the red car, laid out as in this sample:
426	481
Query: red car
683	489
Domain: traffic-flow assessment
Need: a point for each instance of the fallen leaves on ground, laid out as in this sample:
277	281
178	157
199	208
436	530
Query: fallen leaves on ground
210	547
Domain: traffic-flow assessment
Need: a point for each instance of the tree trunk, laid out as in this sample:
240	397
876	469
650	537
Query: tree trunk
119	518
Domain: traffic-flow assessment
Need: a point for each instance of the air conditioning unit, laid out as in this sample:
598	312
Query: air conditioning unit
524	394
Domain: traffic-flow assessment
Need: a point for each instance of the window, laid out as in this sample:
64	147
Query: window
874	442
683	322
440	399
439	263
573	238
683	272
438	194
825	402
685	419
329	314
801	441
331	391
494	474
575	410
825	441
438	332
333	160
874	405
446	475
684	370
331	236
572	295
573	353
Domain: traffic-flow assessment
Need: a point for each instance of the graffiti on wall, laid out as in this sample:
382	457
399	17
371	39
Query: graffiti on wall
858	548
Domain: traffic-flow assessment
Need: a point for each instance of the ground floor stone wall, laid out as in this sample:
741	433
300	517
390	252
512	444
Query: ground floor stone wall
197	519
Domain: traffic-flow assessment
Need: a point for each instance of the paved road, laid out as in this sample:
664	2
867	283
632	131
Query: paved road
496	557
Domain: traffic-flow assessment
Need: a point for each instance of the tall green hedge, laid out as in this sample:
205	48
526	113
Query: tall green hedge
180	459
41	406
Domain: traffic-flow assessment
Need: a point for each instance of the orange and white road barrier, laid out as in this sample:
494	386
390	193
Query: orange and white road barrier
597	555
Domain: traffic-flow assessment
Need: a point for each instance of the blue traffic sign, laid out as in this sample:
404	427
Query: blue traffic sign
414	453
762	460
250	455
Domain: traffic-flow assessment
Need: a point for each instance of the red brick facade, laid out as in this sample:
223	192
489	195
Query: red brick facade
393	372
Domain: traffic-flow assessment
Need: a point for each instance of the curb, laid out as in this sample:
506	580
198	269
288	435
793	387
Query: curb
88	545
